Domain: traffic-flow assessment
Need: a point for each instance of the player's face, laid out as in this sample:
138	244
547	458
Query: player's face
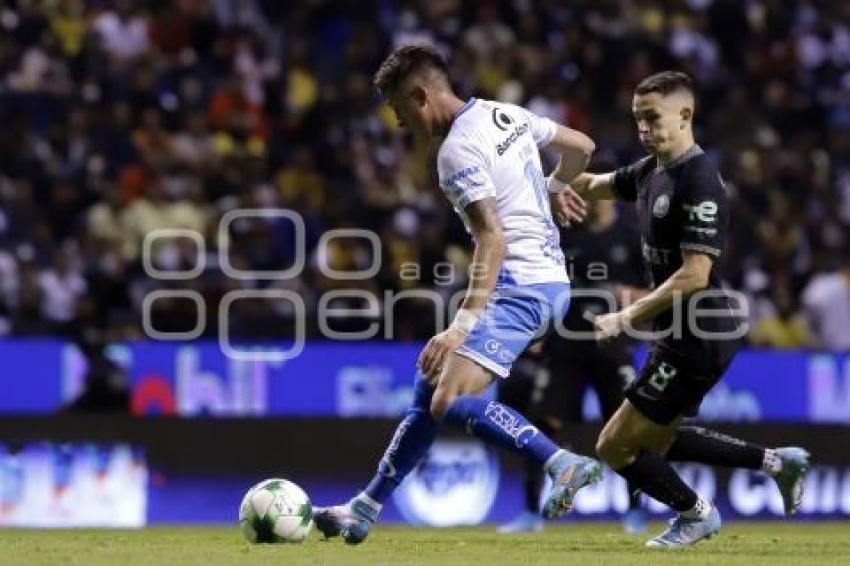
410	110
662	121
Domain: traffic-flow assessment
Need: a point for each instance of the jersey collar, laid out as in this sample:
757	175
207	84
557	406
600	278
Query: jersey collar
466	106
692	152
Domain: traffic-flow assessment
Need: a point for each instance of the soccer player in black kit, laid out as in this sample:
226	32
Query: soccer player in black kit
683	211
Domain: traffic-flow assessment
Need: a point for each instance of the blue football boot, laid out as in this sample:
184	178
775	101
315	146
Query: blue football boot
684	531
795	464
351	521
569	472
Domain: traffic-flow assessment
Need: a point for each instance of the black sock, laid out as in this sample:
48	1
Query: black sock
655	477
697	444
533	484
533	474
634	496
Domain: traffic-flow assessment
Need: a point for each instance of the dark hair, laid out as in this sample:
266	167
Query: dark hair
405	61
665	82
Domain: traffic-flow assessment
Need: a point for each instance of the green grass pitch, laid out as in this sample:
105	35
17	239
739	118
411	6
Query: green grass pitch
749	544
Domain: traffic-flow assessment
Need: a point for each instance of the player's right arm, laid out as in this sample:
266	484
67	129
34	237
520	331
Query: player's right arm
574	149
619	184
590	186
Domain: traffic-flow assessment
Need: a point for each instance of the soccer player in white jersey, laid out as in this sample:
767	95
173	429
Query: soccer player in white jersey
489	168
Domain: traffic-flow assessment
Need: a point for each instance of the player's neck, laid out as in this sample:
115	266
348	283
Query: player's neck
448	106
681	148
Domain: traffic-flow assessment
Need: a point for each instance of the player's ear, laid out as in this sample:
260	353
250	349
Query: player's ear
419	95
687	115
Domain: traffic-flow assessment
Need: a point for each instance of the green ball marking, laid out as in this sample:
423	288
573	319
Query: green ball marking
264	526
305	510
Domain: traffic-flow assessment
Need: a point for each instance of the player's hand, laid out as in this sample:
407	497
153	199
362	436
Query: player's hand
436	351
568	208
608	327
536	348
581	183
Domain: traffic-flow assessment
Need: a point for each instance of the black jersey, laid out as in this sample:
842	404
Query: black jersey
684	206
600	259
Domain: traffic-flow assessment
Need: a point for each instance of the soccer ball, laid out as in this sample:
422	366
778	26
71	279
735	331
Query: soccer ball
276	510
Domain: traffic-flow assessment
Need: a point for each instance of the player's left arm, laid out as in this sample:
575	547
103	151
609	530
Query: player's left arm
691	277
486	263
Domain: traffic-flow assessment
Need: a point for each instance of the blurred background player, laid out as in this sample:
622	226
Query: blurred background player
683	214
489	168
604	259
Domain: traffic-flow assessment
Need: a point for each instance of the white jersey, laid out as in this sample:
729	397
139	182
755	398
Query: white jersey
492	151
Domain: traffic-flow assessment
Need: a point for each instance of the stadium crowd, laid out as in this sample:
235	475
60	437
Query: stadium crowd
122	117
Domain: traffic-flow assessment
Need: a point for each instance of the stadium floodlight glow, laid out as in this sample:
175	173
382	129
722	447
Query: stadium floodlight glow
322	255
169	274
258	355
155	334
273	275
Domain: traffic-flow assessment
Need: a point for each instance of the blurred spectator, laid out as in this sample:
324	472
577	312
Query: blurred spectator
61	285
123	31
785	327
827	302
122	117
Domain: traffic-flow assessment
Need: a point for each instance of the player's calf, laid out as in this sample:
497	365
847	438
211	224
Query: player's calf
615	451
787	466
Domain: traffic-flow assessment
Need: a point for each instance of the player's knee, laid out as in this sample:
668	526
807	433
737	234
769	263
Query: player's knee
614	450
604	447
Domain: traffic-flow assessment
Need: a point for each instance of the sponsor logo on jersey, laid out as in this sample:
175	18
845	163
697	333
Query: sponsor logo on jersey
498	350
505	145
661	206
656	256
464	176
705	211
503	121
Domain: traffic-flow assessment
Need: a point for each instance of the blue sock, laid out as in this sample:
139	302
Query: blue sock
499	424
411	441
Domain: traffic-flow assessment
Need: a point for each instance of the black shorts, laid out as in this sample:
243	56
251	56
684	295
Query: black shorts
669	386
575	366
